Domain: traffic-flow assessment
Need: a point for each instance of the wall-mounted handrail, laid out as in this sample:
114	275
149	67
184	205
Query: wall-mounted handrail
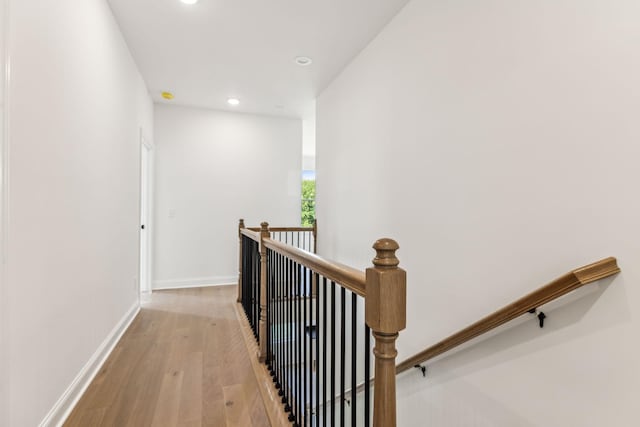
559	287
348	277
567	283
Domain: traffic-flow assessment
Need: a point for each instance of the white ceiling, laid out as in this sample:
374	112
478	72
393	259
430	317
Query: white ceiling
245	49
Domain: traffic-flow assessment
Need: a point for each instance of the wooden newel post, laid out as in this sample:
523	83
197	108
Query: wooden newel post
385	313
315	236
264	233
240	227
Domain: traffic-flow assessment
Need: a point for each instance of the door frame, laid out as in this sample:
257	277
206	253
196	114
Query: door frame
145	272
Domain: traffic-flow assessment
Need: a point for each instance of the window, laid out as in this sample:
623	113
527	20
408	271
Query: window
308	198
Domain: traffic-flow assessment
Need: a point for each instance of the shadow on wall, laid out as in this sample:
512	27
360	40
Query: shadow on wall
452	405
567	320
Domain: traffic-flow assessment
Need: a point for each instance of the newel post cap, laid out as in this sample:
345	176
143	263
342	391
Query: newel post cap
264	228
264	233
386	253
241	223
386	300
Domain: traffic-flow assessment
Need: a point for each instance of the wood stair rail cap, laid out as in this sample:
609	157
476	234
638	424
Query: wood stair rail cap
597	270
386	253
386	302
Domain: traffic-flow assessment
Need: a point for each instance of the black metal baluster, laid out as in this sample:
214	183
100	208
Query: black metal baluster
299	324
256	301
296	331
324	351
285	346
276	319
268	313
367	375
296	342
276	322
292	365
251	286
256	292
333	354
280	303
294	373
290	342
317	361
354	354
283	310
303	325
280	327
248	277
285	378
243	277
250	283
342	352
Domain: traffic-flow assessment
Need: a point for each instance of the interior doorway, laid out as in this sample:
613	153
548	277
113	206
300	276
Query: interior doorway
146	164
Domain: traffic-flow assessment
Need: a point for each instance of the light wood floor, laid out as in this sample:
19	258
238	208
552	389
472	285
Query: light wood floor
183	362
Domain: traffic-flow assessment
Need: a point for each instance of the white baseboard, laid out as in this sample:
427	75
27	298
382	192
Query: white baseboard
195	282
63	407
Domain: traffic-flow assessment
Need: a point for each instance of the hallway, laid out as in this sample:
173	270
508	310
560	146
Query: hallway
183	362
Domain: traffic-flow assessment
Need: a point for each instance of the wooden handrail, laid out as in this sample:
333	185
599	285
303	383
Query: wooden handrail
282	229
253	235
559	287
348	277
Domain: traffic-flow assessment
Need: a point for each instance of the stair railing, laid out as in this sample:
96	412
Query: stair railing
314	323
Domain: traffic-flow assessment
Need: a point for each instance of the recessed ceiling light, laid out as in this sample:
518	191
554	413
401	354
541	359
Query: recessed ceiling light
189	1
167	95
233	101
303	60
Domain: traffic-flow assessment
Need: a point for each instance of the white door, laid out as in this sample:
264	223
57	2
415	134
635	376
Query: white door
145	162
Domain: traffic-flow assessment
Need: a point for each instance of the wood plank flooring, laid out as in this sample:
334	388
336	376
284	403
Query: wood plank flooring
183	362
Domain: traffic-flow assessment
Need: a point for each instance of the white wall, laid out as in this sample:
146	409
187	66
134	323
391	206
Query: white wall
309	139
497	141
213	168
77	103
4	318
